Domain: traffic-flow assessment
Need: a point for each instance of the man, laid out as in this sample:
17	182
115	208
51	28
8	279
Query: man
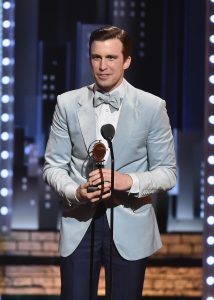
144	164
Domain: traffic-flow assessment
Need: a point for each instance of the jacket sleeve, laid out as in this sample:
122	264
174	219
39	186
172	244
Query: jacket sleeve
58	156
161	174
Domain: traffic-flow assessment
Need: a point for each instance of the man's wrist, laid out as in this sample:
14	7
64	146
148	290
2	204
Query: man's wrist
135	187
128	182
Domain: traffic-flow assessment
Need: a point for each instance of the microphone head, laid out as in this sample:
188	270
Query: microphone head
107	132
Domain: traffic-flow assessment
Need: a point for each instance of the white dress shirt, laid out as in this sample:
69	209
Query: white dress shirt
104	116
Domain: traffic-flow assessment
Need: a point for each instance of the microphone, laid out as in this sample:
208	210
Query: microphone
107	132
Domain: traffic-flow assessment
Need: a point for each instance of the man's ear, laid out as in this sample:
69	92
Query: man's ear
127	63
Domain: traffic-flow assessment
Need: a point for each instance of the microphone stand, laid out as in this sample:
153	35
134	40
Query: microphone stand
111	218
108	132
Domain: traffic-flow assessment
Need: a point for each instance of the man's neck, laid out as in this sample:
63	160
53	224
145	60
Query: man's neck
118	88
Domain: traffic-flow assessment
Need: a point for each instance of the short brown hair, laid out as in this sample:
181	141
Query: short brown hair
112	32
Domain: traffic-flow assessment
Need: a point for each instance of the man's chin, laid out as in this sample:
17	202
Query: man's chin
105	86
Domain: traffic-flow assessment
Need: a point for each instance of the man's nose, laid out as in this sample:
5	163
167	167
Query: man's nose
103	64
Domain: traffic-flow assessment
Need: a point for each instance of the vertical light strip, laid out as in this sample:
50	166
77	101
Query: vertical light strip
208	259
7	43
0	53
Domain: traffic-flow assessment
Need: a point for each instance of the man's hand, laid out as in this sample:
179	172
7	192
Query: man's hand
102	179
122	182
103	192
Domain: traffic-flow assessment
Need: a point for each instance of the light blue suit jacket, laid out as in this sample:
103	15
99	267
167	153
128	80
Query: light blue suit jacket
143	144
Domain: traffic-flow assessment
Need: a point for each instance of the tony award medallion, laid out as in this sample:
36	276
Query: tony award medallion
97	153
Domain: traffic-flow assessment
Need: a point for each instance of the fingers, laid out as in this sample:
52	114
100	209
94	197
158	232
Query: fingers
122	182
102	191
87	193
100	176
98	186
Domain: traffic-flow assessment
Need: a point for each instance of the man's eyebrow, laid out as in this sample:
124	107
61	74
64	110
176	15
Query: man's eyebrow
112	55
95	54
108	55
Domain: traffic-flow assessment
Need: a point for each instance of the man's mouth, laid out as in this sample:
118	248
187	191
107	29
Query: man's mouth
103	76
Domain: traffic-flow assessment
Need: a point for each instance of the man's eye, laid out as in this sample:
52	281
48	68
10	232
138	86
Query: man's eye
111	57
96	58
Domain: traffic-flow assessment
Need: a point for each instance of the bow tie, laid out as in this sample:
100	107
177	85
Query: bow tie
113	100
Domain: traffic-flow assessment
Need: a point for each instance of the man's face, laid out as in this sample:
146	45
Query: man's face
108	63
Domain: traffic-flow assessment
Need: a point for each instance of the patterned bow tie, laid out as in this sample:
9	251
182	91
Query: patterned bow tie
113	100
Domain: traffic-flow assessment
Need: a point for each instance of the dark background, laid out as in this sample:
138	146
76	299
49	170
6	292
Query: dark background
51	57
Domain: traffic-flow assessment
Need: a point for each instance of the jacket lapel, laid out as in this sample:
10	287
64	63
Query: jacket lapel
125	125
86	118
